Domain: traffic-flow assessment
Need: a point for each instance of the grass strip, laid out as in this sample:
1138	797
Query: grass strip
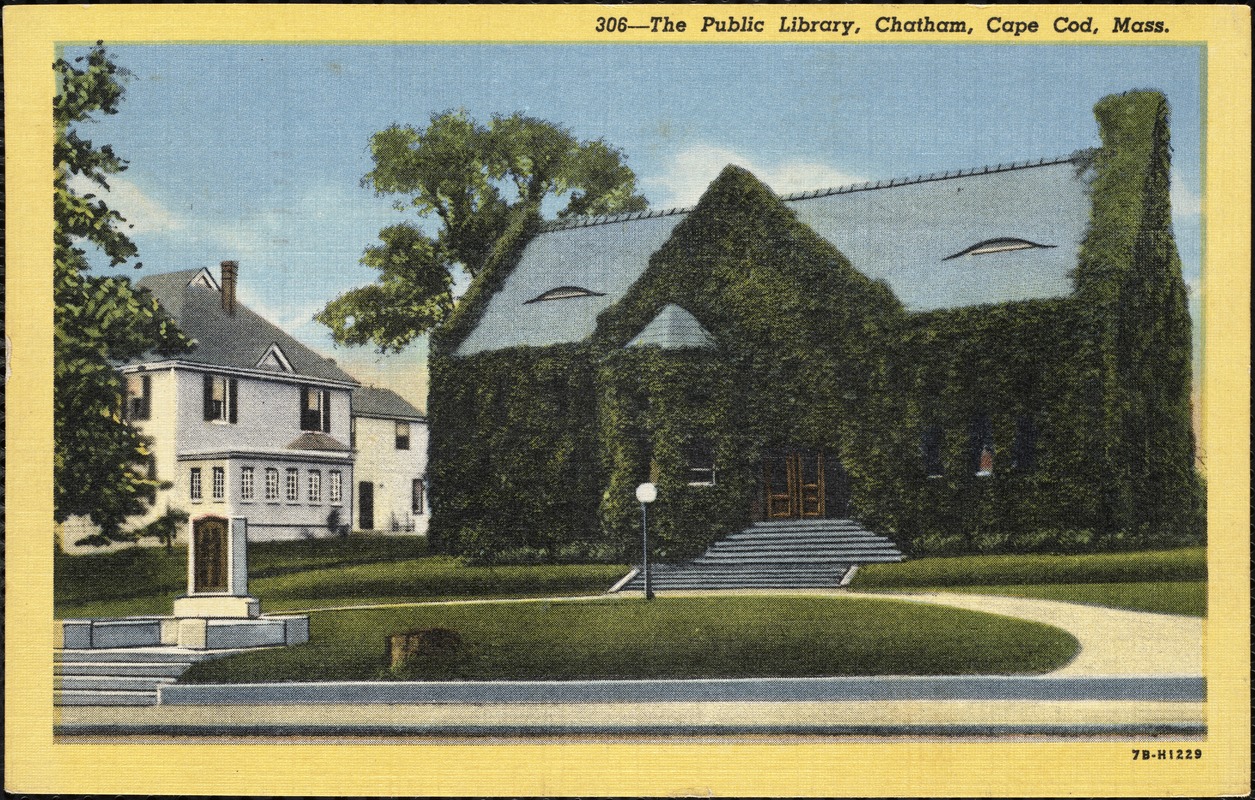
671	637
430	578
1156	566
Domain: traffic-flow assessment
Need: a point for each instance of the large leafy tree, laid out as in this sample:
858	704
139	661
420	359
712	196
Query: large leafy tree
102	466
470	180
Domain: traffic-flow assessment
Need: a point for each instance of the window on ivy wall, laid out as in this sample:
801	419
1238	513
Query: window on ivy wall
700	458
1024	446
982	446
931	439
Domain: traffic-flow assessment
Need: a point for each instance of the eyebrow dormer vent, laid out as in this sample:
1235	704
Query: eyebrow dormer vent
1000	245
564	293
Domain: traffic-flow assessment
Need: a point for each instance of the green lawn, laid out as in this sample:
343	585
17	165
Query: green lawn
1184	564
671	637
1165	581
317	573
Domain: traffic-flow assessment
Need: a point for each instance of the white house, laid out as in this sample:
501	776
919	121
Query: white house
390	440
250	423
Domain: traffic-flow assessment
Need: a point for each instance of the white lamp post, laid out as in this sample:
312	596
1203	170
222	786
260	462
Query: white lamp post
646	493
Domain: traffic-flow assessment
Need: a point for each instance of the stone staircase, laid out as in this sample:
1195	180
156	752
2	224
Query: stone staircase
793	554
127	676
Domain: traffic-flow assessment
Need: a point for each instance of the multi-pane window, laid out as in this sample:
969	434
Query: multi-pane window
272	483
221	397
315	409
403	436
416	496
315	486
335	487
139	391
219	483
194	488
246	483
293	486
930	450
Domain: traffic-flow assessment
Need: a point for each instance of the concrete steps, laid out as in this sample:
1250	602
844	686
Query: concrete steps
119	676
792	554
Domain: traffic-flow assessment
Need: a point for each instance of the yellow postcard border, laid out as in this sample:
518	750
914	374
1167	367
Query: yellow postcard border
35	763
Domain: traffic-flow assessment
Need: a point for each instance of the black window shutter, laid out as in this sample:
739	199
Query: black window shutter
146	411
304	406
326	411
209	397
233	393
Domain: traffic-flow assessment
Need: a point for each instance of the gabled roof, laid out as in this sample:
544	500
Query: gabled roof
905	232
673	329
240	340
316	441
373	401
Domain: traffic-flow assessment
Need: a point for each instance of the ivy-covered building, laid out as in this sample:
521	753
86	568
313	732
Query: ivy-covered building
987	360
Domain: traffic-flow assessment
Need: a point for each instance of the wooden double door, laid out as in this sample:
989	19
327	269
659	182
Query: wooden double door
803	484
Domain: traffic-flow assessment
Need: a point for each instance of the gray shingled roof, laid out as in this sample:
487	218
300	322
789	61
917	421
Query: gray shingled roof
605	258
903	232
373	401
236	340
316	441
673	329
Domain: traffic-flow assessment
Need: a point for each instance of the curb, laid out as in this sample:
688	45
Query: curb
1178	689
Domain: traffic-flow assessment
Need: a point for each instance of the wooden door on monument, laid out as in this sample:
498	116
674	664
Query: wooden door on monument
794	485
209	555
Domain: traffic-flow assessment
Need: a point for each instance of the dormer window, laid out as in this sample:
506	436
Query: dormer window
1001	245
275	360
565	293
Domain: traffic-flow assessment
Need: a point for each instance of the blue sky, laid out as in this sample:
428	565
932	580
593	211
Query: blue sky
255	152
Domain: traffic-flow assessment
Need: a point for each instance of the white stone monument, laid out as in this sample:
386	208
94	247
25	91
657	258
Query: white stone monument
217	571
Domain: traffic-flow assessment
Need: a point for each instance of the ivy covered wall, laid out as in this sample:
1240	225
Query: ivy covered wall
799	333
1135	358
1047	425
513	462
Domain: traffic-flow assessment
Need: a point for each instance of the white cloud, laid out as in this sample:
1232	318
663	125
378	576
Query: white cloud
1185	201
691	170
143	214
